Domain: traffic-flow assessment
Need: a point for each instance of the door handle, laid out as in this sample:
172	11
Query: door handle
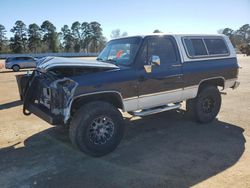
176	65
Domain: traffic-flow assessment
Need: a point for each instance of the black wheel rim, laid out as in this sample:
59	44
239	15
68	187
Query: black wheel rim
208	105
101	130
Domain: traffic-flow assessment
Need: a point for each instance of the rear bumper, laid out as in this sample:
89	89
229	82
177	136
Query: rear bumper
231	83
236	84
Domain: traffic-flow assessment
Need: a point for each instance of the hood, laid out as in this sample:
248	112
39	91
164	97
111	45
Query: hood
53	62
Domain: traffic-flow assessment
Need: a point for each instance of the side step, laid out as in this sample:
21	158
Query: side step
156	110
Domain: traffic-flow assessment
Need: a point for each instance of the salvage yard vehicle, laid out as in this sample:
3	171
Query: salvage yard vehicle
17	63
141	75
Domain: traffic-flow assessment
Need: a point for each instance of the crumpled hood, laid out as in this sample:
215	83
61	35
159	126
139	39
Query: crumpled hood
52	62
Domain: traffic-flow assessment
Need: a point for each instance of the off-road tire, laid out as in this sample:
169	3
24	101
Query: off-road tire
81	124
195	107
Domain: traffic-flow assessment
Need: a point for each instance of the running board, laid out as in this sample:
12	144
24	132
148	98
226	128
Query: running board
156	110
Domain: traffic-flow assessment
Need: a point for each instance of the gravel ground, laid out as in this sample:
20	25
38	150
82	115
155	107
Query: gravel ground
161	150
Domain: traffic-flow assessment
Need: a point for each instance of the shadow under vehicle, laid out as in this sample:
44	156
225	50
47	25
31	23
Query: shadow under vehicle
156	152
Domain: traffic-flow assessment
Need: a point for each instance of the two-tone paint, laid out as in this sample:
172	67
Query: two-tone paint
168	83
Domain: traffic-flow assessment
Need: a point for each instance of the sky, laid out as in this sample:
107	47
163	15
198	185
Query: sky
134	17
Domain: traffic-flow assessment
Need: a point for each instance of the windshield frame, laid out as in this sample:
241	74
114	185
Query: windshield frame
114	41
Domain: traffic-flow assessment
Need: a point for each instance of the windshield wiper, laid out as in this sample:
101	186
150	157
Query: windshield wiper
113	61
99	59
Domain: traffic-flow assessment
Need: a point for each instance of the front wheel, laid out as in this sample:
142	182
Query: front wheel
97	128
15	68
206	106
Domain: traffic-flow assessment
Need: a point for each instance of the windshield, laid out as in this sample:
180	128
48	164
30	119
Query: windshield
120	51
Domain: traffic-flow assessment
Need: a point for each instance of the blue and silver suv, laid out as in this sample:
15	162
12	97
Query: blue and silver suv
141	75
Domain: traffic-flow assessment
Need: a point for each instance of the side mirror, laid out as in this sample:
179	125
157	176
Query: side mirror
148	68
154	60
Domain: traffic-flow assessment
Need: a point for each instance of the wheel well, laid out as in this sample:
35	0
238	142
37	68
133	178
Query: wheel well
212	82
112	98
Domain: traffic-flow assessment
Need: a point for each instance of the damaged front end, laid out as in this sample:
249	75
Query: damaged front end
49	91
47	96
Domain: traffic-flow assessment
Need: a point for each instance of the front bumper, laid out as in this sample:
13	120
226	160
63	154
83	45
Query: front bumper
46	96
44	114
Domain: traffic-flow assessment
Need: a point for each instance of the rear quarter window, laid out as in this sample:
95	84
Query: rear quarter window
216	46
195	47
205	47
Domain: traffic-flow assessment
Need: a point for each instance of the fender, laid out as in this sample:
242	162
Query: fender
114	97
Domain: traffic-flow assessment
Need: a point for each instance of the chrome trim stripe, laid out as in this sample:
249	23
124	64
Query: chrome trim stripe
98	92
130	98
160	93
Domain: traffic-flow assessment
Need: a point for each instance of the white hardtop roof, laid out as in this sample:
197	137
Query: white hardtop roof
174	35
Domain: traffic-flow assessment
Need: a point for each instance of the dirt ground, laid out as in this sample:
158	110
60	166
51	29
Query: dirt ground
162	150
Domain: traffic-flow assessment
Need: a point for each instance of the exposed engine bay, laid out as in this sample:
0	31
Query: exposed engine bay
51	90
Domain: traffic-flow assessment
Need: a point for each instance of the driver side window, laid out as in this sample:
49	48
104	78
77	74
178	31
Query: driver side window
149	49
159	46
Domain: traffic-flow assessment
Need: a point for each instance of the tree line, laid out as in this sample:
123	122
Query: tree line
82	37
79	37
240	38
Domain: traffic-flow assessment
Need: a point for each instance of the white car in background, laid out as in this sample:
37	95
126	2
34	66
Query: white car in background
17	63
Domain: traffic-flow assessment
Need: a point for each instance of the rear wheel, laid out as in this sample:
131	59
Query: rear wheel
15	68
205	107
97	128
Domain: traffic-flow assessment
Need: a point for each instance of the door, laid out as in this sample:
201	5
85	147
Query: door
165	83
30	62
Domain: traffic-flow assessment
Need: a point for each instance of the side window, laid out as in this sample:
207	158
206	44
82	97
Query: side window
195	47
166	50
162	47
26	58
152	48
144	54
216	46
